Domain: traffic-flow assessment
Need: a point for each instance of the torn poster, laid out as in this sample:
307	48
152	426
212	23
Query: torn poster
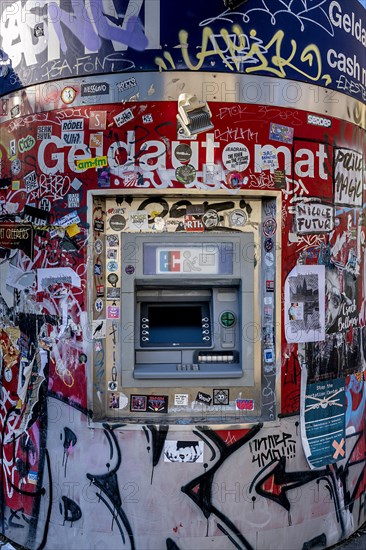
305	304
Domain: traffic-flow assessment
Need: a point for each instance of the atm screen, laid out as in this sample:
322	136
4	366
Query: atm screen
175	325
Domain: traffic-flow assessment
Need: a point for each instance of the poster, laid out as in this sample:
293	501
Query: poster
323	422
305	304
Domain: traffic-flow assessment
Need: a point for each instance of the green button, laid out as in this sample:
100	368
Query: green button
227	319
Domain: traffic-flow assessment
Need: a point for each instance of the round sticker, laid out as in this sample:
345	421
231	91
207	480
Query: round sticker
235	156
269	227
129	269
233	180
112	266
210	219
117	222
82	358
99	305
98	246
186	173
183	152
238	218
112	279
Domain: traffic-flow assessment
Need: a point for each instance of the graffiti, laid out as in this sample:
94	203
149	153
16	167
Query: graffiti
233	134
237	49
272	448
347	177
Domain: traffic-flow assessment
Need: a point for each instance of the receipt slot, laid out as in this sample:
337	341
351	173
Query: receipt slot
186	303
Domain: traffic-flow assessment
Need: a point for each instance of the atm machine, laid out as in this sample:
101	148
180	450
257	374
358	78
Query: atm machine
188	298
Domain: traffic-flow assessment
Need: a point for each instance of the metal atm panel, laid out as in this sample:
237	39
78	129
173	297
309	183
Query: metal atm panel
187	300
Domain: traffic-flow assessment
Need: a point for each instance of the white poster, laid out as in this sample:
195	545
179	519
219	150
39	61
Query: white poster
305	304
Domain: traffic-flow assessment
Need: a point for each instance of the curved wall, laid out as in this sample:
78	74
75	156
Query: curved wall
87	159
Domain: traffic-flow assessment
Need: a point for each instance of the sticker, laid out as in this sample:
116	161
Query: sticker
8	374
123	117
4	107
98	269
139	220
235	157
98	246
112	386
138	403
30	182
32	477
26	144
319	121
97	120
183	152
112	253
38	30
99	328
113	293
268	312
68	95
126	84
147	119
270	286
268	244
268	355
278	132
103	177
98	225
159	224
112	279
123	400
99	304
113	312
82	358
233	180
238	218
15	111
181	399
72	125
15	167
157	403
112	240
192	223
96	141
186	173
269	227
117	222
204	398
183	451
129	269
44	132
73	200
210	219
114	401
244	404
94	88
269	259
212	173
13	148
279	177
36	216
220	397
72	138
195	210
112	265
